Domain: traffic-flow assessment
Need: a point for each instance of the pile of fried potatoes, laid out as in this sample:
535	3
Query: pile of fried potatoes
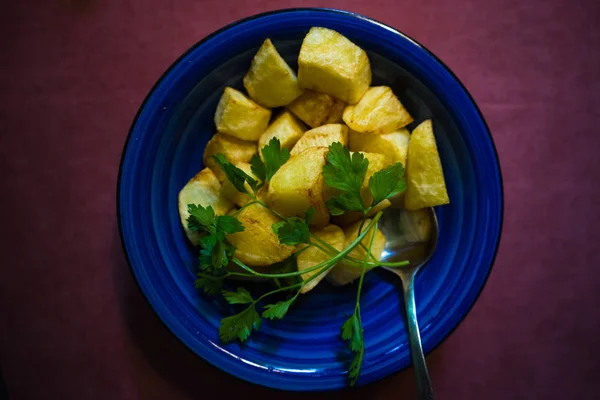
329	100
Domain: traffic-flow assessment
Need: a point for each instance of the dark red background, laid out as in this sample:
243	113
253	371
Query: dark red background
72	76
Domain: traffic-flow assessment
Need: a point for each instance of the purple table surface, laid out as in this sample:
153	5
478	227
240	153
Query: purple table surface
72	76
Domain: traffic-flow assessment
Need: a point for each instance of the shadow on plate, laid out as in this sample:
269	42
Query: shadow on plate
186	373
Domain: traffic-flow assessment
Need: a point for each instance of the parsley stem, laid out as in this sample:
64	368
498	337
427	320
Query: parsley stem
362	223
333	251
376	263
334	259
362	275
323	242
361	350
299	285
253	273
244	267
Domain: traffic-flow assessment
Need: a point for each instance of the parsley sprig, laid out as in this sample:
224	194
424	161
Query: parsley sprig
343	171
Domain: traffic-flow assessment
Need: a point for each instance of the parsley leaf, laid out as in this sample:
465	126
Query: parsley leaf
387	183
218	255
215	251
227	224
309	214
353	332
355	367
335	208
208	242
239	326
211	284
278	310
346	173
235	175
344	202
201	218
205	259
221	253
274	157
292	231
258	168
241	296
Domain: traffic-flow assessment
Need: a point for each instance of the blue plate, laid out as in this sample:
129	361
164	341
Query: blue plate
304	351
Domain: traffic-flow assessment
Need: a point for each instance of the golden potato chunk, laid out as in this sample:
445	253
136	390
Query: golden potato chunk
257	245
270	81
286	128
330	63
335	113
334	235
394	144
241	117
229	191
298	184
425	179
322	136
345	272
378	111
316	109
235	150
203	189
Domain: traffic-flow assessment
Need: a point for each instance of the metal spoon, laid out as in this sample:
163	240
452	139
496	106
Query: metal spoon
412	236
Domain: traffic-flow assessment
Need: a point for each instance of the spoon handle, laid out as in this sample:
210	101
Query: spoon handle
424	389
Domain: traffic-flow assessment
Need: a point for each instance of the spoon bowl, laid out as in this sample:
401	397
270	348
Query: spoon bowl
411	236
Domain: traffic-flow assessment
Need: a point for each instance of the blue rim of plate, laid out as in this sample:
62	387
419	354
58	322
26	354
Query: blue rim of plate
426	53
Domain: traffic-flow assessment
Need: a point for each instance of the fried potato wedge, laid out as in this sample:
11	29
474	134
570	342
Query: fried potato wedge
426	186
330	63
298	184
316	109
235	150
241	117
335	113
312	256
378	111
394	144
286	128
257	245
345	272
204	190
270	81
322	136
